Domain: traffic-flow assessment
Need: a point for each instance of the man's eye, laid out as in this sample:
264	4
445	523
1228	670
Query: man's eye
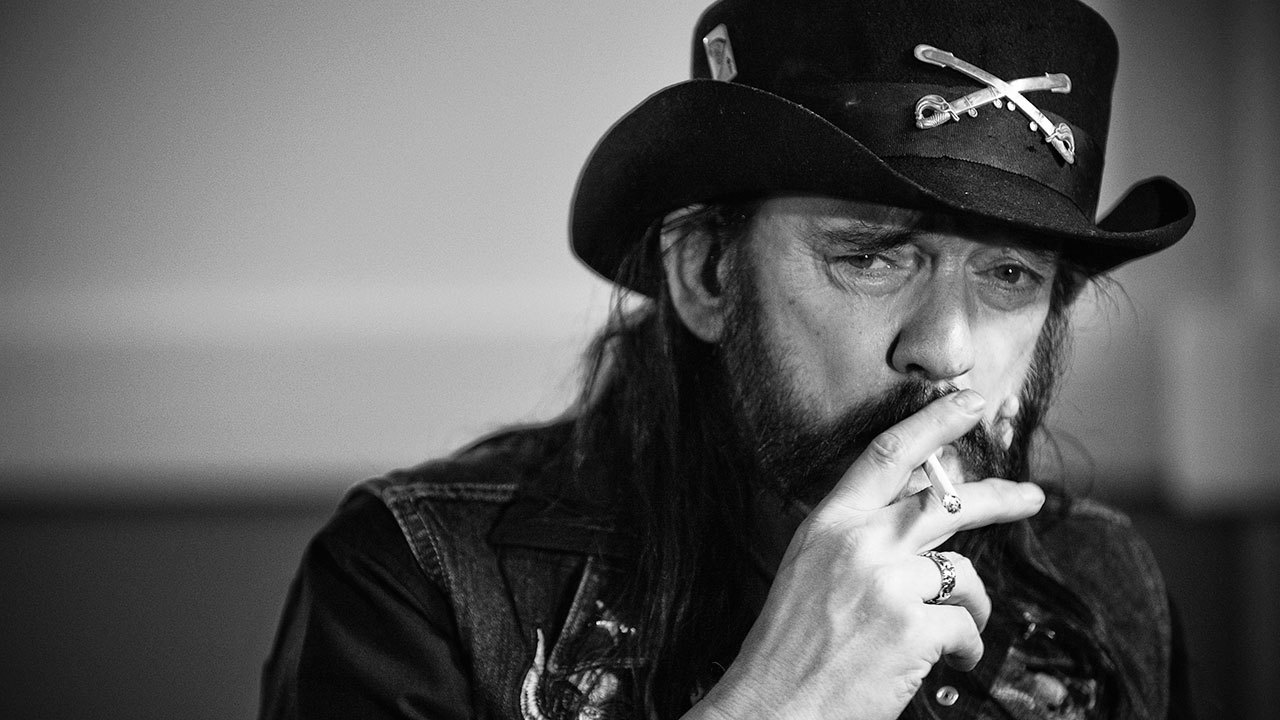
866	261
1014	275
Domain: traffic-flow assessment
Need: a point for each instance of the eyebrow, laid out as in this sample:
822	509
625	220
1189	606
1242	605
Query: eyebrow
865	238
877	238
1034	253
1039	254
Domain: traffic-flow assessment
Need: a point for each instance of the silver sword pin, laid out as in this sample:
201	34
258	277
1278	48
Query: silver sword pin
1060	136
934	110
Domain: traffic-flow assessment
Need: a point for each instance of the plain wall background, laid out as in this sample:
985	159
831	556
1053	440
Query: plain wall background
251	253
326	238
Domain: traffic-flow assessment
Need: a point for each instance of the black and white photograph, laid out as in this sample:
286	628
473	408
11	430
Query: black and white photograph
712	360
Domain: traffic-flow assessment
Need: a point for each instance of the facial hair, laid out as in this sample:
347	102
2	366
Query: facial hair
804	456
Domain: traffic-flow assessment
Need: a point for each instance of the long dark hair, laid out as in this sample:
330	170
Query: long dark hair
655	410
652	401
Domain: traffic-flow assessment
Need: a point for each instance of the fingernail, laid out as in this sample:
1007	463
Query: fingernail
1031	492
969	400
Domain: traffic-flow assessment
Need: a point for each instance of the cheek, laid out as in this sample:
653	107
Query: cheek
830	361
1006	362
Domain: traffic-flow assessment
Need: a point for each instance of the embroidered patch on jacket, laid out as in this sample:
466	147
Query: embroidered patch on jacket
1044	676
587	675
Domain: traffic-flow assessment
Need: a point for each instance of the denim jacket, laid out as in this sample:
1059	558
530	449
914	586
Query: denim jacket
530	592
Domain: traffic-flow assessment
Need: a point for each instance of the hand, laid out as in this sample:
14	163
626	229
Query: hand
846	630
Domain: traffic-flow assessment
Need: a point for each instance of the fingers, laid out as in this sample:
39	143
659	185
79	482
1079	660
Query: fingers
969	592
960	643
996	500
924	523
882	470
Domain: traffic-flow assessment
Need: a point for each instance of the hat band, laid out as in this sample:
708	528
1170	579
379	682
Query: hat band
882	117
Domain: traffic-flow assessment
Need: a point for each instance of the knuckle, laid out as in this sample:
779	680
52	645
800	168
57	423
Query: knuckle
817	534
887	448
834	524
892	595
915	621
829	532
882	582
937	419
975	640
1009	494
1002	492
973	653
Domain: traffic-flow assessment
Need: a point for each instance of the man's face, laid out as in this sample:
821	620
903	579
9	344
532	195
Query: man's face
846	317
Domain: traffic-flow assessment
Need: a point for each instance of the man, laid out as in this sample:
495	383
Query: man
858	230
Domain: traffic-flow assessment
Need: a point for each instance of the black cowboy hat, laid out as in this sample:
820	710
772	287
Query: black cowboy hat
830	97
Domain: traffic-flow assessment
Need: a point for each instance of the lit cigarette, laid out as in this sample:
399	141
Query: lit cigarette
942	487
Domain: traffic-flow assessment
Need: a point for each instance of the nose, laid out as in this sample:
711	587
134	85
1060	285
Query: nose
935	342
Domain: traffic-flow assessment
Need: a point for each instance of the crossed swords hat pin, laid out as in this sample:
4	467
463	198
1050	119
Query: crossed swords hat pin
934	110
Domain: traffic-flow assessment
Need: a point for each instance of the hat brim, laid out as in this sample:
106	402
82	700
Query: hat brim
705	140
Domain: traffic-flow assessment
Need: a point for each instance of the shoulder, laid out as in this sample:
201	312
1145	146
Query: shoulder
450	505
1082	519
360	609
1099	554
490	470
1097	545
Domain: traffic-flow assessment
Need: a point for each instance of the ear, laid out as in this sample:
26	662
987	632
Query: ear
691	259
